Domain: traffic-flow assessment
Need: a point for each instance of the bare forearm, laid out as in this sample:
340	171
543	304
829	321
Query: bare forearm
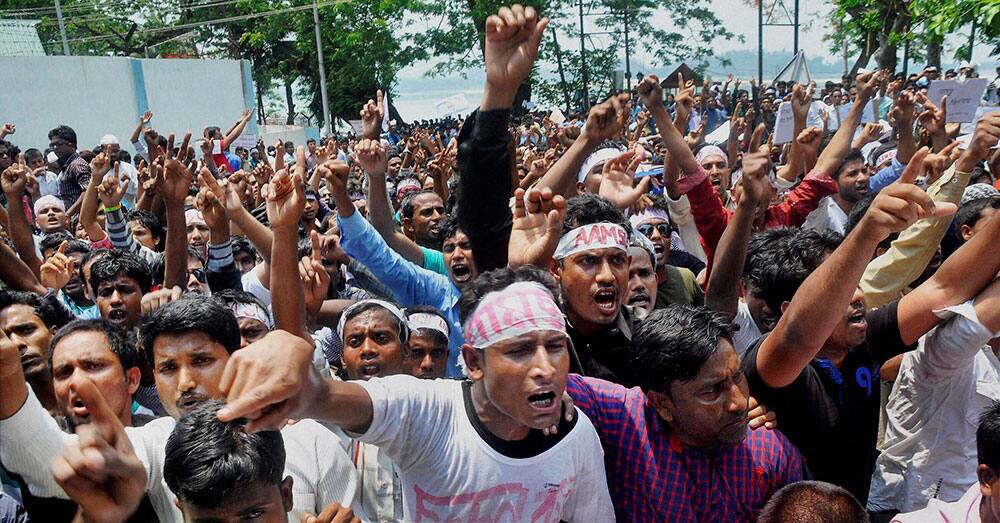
380	216
16	273
259	235
840	144
907	145
20	233
88	213
175	251
723	286
330	311
345	404
289	304
673	141
236	131
562	176
807	323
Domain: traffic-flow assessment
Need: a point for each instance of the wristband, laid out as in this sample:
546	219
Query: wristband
117	207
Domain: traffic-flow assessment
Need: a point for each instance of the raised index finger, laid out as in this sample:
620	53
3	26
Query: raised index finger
101	415
915	168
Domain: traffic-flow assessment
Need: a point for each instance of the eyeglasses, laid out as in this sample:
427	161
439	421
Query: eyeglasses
199	274
647	229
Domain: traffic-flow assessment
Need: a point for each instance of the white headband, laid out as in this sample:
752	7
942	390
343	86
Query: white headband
711	150
426	320
597	157
385	305
648	214
520	308
602	235
252	311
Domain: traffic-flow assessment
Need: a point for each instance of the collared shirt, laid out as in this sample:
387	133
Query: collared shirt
652	476
411	284
605	354
73	179
932	415
88	313
965	510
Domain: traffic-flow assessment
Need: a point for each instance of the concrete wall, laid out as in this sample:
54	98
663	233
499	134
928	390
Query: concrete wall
106	95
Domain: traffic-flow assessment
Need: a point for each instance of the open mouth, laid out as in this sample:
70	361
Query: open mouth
189	402
658	249
117	316
371	370
639	299
606	300
542	400
79	409
857	318
461	271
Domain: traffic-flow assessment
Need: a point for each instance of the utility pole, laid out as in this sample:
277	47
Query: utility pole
583	62
760	41
628	69
972	38
796	26
62	29
322	71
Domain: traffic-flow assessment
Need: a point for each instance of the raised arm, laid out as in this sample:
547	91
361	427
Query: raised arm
88	208
651	94
176	183
723	286
16	274
840	144
807	323
286	199
801	102
13	181
237	129
372	158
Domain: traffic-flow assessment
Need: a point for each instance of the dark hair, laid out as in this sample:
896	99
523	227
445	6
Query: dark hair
813	501
406	209
780	261
587	208
208	461
148	220
43	309
31	154
853	155
211	131
402	328
672	344
52	241
879	151
242	244
196	253
448	227
428	309
117	263
64	132
124	156
229	297
193	312
970	213
499	279
988	437
120	342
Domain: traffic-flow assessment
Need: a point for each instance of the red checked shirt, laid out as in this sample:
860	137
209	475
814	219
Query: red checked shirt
652	476
711	217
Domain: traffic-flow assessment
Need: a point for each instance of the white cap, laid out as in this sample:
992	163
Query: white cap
109	139
48	200
51	157
966	65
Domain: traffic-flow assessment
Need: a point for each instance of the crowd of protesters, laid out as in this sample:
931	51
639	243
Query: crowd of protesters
645	312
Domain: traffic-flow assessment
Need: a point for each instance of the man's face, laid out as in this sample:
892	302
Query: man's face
428	211
394	164
712	407
717	170
594	284
458	259
852	327
197	280
427	358
198	235
51	218
310	210
74	287
5	158
259	502
62	148
524	377
142	234
853	181
985	216
36	162
31	336
120	301
641	280
85	355
592	182
763	315
658	231
245	261
311	144
251	330
188	367
372	347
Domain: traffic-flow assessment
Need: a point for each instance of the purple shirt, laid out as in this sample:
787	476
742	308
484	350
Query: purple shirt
652	476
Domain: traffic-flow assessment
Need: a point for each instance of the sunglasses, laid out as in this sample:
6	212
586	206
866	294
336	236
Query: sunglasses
199	274
647	229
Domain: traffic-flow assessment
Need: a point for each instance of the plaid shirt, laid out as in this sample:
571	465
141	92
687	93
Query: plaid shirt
653	477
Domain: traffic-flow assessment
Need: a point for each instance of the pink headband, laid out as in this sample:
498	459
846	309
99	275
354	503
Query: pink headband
520	308
648	214
424	320
885	157
252	311
592	236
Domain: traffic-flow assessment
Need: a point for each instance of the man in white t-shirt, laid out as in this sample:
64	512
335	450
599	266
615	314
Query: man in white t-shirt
494	447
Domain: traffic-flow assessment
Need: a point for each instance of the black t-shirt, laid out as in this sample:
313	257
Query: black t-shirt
831	414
